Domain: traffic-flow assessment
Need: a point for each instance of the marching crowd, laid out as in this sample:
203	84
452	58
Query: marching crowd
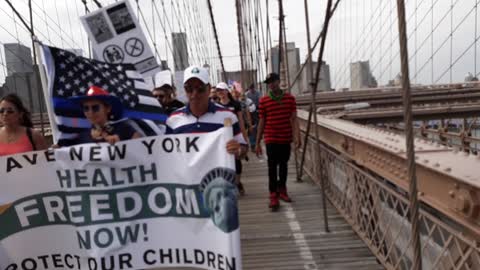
271	118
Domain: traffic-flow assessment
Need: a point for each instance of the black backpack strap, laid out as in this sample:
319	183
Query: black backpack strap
30	138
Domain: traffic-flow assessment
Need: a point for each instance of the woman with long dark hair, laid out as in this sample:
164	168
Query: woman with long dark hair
17	134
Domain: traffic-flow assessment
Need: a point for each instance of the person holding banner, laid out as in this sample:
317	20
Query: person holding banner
101	108
202	115
17	135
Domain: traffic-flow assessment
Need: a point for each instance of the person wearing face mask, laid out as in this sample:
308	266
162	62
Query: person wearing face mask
17	134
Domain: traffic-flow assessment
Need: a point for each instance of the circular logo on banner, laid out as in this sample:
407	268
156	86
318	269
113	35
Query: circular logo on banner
220	198
113	54
134	47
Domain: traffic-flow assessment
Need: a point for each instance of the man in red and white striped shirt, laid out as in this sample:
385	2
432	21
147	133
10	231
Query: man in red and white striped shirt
278	125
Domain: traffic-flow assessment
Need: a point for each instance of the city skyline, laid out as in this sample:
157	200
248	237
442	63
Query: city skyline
345	43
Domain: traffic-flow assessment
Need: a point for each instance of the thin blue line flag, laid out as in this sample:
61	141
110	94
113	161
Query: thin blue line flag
70	75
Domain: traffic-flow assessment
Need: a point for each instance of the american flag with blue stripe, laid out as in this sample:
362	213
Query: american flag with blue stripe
70	75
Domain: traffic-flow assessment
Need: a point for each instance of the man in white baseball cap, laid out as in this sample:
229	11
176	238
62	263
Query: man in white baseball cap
197	73
201	115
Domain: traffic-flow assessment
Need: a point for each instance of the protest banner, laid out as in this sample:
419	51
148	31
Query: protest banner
118	38
152	202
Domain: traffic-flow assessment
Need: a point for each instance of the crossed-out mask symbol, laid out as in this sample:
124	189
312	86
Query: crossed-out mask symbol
134	47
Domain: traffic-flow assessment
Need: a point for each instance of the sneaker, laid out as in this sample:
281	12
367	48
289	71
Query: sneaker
241	189
282	194
274	203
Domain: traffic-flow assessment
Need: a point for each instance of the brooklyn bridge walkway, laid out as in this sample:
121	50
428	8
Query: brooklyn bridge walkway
294	238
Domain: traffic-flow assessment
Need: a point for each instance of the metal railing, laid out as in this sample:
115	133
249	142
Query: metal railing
378	212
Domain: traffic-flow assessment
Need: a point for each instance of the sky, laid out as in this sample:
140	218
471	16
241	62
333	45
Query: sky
441	32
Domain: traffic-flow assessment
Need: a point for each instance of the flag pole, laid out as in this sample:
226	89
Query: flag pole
44	83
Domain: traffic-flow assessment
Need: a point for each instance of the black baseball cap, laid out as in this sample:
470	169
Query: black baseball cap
271	78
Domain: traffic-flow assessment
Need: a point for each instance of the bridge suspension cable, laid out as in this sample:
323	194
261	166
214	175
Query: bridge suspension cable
408	119
216	39
442	36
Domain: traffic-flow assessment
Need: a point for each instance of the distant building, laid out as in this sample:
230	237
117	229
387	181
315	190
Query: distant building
361	76
324	84
180	51
21	78
293	55
18	58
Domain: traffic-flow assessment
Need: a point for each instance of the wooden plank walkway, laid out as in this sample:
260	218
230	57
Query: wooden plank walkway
294	238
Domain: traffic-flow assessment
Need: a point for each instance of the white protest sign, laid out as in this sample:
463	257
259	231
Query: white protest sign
153	202
117	37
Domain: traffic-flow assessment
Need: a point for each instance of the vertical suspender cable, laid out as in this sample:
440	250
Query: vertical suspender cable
475	40
224	77
259	26
268	38
240	35
407	114
285	49
431	43
416	42
35	70
88	39
451	40
321	36
280	36
313	110
154	39
328	16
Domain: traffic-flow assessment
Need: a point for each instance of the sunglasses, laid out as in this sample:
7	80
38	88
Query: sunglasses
6	110
159	96
94	108
202	89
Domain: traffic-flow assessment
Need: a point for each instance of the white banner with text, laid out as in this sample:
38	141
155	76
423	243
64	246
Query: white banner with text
146	203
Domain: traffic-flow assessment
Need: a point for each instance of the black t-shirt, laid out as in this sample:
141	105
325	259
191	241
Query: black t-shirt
233	105
173	106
